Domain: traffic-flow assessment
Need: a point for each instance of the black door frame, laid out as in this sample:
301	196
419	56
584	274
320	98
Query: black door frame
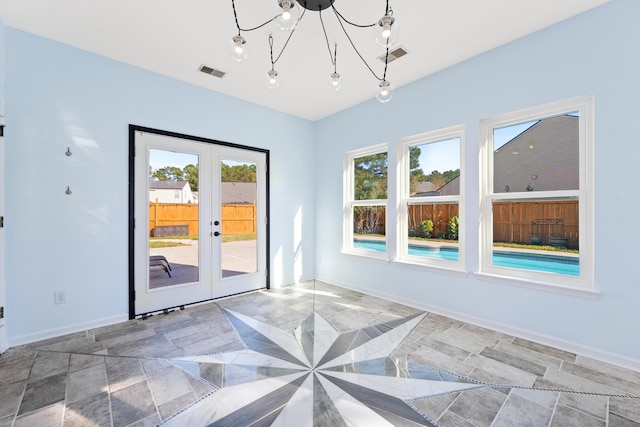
132	153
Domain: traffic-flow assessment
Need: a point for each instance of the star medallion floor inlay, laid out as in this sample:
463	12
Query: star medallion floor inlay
314	373
308	355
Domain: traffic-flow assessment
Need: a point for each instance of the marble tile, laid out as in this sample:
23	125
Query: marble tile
92	411
167	384
83	361
618	421
435	406
10	396
123	372
86	382
269	358
627	408
132	404
602	378
48	416
595	406
514	361
606	368
479	407
451	419
48	364
531	355
567	417
514	375
541	348
520	412
43	392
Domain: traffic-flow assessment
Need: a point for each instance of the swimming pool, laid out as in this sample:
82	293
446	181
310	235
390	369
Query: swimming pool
527	261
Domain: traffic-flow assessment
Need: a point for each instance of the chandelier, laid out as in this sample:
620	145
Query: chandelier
289	16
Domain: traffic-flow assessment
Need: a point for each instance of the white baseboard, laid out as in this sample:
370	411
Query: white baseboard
71	329
570	346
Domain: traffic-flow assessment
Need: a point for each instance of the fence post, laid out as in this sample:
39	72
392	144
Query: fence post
255	218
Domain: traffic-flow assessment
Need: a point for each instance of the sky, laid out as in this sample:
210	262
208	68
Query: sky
445	155
161	158
441	155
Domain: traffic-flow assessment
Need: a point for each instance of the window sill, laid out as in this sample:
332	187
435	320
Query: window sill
376	256
434	268
541	286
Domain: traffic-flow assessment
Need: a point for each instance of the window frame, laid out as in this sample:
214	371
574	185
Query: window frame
349	202
582	285
405	199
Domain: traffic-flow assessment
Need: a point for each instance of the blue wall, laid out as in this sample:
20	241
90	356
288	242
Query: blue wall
59	97
593	53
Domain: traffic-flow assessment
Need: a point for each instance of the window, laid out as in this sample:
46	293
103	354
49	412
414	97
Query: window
536	220
430	188
365	195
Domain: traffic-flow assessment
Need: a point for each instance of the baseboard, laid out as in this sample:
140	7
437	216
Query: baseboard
71	329
570	346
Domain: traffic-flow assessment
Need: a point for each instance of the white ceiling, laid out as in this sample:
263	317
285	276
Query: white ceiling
175	37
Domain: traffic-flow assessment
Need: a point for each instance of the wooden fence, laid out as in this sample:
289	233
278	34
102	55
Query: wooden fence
519	221
236	218
513	222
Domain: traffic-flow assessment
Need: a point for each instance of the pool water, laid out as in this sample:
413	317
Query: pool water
549	263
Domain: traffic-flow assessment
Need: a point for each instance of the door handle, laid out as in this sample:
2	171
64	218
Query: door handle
216	233
216	223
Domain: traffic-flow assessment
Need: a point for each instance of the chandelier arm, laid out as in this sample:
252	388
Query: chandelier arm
356	49
286	43
333	59
386	63
351	23
235	15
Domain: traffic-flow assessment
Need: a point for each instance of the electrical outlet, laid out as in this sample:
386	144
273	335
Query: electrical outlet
59	297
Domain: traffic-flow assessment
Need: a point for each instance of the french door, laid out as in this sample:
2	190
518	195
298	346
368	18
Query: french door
200	220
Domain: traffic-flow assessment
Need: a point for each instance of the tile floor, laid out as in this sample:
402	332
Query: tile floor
305	355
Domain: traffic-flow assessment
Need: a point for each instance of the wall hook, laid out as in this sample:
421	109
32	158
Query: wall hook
68	152
68	192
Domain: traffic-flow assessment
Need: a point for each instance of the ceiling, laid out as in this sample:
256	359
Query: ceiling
175	38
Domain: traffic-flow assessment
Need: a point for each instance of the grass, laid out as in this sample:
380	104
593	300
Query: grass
535	247
174	238
237	237
165	242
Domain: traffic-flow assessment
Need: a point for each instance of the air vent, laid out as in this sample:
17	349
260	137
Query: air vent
215	73
394	54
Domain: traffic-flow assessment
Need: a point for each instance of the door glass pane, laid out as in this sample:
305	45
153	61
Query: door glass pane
173	218
238	198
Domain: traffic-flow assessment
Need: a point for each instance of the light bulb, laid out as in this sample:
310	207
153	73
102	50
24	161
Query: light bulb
238	50
334	83
385	92
386	31
287	15
272	81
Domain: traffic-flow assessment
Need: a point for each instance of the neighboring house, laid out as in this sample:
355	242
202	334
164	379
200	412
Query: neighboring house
424	189
238	192
534	159
170	192
544	158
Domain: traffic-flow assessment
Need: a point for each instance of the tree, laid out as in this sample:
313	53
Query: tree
238	173
438	179
416	174
168	173
370	177
191	176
